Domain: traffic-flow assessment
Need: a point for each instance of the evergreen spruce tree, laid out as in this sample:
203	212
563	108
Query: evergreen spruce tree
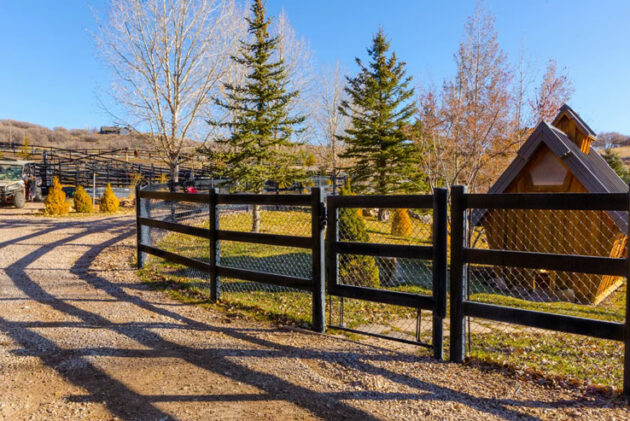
379	106
614	160
260	146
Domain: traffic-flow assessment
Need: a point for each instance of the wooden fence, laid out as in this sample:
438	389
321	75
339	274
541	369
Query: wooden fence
324	259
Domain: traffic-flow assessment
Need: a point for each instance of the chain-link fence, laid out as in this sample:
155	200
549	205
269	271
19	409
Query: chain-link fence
542	288
275	300
530	284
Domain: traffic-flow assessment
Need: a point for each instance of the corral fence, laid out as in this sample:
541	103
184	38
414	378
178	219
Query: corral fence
514	257
536	267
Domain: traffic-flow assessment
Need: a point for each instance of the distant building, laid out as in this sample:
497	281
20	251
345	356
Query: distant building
113	130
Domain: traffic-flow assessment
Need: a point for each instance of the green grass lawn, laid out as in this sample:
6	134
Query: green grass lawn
584	359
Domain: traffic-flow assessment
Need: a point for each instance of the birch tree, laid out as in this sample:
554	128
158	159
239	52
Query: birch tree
168	58
331	122
299	61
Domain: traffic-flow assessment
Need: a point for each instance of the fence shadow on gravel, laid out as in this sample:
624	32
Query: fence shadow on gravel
129	403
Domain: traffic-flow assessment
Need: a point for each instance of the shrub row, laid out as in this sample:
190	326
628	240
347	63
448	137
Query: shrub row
56	204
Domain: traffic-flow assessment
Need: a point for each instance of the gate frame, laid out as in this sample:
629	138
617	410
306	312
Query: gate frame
437	253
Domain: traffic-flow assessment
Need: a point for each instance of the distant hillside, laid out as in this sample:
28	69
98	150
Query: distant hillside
17	131
612	139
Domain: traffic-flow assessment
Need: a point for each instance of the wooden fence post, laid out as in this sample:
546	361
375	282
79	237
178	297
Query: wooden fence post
143	233
440	217
215	284
458	273
318	215
626	354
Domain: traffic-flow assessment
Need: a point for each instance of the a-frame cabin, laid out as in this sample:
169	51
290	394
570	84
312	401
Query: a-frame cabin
558	157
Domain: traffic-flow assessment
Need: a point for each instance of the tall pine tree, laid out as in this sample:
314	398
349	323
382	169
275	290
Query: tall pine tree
260	146
379	106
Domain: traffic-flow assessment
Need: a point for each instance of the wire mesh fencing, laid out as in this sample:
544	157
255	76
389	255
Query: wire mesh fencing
593	233
275	300
188	279
267	242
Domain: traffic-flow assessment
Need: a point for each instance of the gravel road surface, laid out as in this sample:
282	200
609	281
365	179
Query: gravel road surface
82	338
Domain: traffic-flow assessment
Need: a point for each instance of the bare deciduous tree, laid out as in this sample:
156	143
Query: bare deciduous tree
555	89
469	125
168	58
299	62
522	85
331	123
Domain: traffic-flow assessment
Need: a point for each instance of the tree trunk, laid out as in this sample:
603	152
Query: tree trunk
174	176
256	218
383	215
173	187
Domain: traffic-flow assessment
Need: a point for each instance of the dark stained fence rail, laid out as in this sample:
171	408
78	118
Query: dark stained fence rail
462	256
214	234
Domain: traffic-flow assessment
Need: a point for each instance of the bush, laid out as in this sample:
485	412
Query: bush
25	150
55	203
401	223
82	201
136	178
109	201
355	270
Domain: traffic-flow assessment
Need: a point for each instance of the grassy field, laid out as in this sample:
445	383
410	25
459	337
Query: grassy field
582	359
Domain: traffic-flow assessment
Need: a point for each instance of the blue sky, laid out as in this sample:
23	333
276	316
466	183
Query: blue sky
50	75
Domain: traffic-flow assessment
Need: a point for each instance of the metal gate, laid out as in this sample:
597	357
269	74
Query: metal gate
402	273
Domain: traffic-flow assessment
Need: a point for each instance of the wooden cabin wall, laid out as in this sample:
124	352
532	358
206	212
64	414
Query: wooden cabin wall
564	232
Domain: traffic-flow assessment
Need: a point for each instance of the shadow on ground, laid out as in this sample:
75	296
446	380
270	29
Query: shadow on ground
127	403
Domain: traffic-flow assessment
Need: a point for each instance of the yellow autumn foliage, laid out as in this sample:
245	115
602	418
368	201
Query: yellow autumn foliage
109	201
82	201
401	223
55	203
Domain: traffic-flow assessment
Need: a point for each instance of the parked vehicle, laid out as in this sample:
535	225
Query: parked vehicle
18	183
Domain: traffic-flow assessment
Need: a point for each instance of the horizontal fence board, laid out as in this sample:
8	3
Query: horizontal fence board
265	277
170	226
382	201
549	201
175	258
384	250
270	239
404	299
533	260
175	196
264	199
558	322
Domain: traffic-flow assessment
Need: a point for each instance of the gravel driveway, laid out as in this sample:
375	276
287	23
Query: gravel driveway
81	338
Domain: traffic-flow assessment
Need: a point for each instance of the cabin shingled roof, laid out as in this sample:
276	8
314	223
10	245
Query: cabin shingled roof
576	117
590	169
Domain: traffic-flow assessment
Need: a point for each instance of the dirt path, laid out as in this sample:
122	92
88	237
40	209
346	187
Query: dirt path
81	338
